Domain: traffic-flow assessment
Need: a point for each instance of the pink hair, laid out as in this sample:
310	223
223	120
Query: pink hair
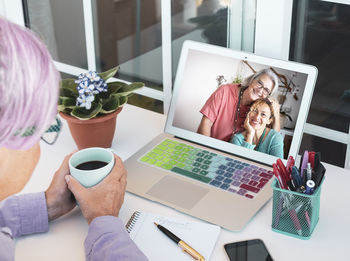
29	85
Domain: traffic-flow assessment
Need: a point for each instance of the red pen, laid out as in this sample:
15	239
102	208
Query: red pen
282	168
290	164
279	177
294	218
287	176
312	159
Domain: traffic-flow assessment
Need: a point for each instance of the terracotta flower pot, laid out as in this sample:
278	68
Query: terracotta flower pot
96	132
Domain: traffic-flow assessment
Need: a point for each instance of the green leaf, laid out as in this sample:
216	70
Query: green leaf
129	88
109	105
65	92
122	100
67	101
113	87
64	109
68	88
83	114
110	73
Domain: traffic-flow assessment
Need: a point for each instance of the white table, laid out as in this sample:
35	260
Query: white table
135	127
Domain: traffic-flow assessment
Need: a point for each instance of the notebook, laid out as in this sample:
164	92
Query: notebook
157	246
215	180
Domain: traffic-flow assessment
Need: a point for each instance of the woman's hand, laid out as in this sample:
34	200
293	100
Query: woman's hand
105	198
276	114
59	200
247	125
249	133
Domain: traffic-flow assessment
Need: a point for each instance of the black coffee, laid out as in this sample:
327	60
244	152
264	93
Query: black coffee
90	165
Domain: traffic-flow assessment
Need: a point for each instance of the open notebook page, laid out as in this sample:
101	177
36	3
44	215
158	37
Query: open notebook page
157	246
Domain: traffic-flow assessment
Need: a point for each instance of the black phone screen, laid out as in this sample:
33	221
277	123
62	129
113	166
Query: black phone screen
248	250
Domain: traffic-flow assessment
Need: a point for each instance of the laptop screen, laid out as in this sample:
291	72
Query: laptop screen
211	81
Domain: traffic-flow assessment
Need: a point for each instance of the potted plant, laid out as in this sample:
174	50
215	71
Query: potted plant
90	106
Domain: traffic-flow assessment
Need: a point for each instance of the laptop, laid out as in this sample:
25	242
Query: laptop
208	178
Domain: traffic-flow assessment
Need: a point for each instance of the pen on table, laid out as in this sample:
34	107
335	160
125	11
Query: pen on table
185	247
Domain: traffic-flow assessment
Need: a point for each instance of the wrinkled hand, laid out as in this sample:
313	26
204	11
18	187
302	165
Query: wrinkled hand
59	198
105	198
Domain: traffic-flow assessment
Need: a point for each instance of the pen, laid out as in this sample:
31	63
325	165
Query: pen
279	210
280	172
308	171
185	247
290	164
317	160
296	177
279	177
304	162
310	185
312	159
285	174
293	215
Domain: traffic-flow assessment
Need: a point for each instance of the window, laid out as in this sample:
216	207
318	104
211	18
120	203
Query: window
60	24
98	35
322	39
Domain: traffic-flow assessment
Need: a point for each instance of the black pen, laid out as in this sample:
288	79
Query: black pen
185	247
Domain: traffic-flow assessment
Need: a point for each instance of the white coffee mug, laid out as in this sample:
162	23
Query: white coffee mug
87	165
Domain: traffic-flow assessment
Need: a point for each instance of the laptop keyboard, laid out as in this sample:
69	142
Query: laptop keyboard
216	170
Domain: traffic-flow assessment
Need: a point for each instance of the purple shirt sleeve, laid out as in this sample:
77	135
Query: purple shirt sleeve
21	215
27	214
108	239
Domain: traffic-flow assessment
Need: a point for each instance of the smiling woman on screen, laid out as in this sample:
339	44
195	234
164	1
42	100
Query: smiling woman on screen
256	134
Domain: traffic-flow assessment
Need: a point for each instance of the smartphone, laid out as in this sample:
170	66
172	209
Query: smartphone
248	250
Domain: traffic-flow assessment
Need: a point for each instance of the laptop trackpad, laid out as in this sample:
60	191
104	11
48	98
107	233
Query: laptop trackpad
175	191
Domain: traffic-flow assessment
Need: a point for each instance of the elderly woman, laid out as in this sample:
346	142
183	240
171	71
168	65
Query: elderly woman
226	109
257	135
29	86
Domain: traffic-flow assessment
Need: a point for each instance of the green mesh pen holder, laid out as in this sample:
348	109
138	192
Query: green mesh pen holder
293	213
